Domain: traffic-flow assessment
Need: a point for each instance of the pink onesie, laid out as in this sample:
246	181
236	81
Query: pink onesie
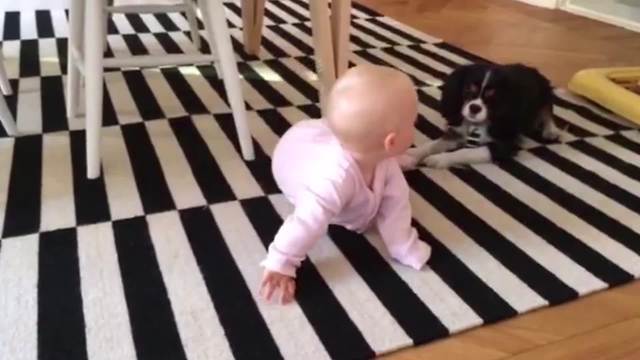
326	186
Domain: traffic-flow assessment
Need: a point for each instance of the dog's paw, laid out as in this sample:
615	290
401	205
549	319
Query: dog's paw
408	161
438	161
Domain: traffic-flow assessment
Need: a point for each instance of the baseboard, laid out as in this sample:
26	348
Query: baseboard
549	4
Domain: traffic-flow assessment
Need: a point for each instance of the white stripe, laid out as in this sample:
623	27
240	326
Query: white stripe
6	159
446	54
122	192
29	117
106	315
49	57
610	174
293	114
183	42
445	303
304	11
121	97
231	16
180	21
118	46
537	248
183	186
209	97
231	164
163	93
297	33
401	65
28	29
283	44
197	321
572	118
60	24
11	52
570	97
582	191
280	13
151	44
615	150
352	292
407	29
122	24
366	38
285	322
19	298
279	84
513	290
57	205
262	133
152	23
564	219
426	60
253	96
632	135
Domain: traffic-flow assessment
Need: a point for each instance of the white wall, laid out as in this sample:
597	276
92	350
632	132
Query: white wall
551	4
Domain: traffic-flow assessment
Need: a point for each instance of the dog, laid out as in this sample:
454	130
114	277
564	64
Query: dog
488	108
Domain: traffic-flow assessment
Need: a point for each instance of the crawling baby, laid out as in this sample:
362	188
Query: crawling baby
343	169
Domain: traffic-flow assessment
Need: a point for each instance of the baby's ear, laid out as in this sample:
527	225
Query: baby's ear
390	141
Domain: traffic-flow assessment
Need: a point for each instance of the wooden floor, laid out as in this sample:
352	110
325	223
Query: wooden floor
601	326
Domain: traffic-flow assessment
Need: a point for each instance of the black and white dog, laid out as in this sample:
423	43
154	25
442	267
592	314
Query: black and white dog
488	108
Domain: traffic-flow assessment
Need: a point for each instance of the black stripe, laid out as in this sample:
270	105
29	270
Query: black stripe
624	167
153	325
166	22
209	73
509	255
61	47
339	335
311	110
44	24
420	49
273	17
572	128
480	297
54	116
60	318
273	48
576	250
205	168
407	59
625	142
12	100
590	178
143	97
238	49
308	61
152	186
589	114
137	23
184	92
462	53
109	115
306	49
262	86
591	215
245	329
22	214
260	168
11	25
135	44
167	43
373	33
275	120
365	54
408	37
112	29
234	8
359	42
291	77
415	318
29	58
366	10
90	196
289	10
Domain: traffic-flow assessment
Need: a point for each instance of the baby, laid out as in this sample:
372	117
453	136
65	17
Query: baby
344	170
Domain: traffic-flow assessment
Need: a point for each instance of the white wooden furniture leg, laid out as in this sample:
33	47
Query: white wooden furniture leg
93	58
6	118
340	29
323	45
193	23
220	39
75	48
5	86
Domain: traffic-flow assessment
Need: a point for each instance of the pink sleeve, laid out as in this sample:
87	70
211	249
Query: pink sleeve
394	222
315	207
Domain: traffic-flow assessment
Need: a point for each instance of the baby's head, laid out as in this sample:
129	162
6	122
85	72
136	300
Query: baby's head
372	109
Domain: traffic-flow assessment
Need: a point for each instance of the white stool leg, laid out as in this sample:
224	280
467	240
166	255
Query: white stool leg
220	39
5	86
76	40
6	118
93	59
193	23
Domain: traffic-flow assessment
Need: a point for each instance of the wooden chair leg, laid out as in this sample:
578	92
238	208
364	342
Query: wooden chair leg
252	23
340	30
323	45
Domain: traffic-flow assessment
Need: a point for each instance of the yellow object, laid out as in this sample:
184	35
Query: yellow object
604	86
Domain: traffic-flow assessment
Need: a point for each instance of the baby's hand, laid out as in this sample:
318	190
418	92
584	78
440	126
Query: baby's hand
273	282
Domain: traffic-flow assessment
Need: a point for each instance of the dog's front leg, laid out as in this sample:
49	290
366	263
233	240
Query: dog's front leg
464	156
413	157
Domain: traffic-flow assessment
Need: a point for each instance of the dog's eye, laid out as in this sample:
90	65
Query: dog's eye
489	93
472	90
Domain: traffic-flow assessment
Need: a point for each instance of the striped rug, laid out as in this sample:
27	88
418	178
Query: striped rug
158	259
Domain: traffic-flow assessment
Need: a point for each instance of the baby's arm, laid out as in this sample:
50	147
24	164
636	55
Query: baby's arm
394	222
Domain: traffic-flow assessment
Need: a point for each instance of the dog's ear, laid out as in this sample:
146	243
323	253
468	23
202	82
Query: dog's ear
452	95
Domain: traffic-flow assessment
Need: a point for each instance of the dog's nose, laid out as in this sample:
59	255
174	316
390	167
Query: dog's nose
474	108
